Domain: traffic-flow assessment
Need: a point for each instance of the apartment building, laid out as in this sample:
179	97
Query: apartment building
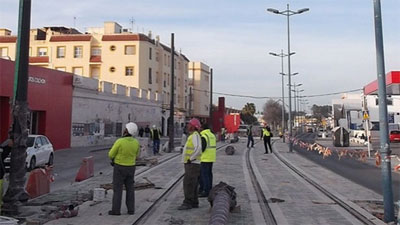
199	81
111	54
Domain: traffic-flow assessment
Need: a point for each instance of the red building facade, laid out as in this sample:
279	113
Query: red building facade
49	99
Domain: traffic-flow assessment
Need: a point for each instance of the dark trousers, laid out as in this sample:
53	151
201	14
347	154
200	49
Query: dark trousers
250	139
267	142
156	146
206	177
190	184
123	175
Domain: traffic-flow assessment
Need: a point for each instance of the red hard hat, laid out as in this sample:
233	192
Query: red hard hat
195	123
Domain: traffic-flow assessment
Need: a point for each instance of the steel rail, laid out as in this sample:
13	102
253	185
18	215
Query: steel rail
330	195
265	209
172	185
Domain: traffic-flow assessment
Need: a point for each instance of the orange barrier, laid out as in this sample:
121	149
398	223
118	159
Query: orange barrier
39	182
86	170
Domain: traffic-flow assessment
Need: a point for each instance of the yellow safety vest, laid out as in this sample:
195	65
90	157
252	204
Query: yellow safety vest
266	132
189	150
210	153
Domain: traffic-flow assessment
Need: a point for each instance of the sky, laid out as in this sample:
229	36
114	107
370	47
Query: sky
334	42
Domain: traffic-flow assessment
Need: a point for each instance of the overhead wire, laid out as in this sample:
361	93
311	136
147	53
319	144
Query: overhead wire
273	97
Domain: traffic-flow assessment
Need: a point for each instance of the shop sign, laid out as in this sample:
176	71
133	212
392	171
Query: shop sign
36	80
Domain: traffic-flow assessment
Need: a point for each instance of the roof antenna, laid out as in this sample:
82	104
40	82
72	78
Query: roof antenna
132	22
74	21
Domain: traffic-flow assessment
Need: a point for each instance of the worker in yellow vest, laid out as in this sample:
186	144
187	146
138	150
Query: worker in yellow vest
191	159
208	157
266	135
123	155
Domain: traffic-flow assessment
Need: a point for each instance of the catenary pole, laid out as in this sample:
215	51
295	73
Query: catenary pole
210	121
172	105
383	118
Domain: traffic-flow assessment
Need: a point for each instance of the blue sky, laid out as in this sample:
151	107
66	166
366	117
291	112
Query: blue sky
334	42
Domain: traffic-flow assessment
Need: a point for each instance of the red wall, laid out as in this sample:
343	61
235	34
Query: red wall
53	99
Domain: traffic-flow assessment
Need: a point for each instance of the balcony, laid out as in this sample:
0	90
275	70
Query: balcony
39	60
95	59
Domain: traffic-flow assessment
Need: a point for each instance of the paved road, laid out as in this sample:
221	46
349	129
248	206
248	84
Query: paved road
67	163
364	174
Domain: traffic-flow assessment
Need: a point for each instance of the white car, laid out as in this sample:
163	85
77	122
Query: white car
39	152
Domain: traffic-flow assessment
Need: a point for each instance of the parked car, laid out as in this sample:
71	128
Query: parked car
394	136
321	132
39	151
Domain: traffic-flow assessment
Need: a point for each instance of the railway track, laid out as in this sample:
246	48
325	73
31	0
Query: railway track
143	216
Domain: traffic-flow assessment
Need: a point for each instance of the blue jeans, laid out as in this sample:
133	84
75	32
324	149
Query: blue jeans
206	177
156	146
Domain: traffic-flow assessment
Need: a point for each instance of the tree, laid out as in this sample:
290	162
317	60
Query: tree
320	112
272	112
247	114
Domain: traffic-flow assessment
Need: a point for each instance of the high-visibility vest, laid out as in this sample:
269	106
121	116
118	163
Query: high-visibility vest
266	133
189	150
210	153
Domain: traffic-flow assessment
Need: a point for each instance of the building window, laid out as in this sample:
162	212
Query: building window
157	56
42	51
165	80
129	71
112	69
61	52
150	53
77	70
112	48
4	52
96	51
61	69
157	77
165	59
95	72
130	50
150	77
78	51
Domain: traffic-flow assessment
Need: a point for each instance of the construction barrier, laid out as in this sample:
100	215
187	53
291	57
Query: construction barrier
86	170
39	182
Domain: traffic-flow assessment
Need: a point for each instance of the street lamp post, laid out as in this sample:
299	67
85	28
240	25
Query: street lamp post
282	55
289	13
383	117
294	100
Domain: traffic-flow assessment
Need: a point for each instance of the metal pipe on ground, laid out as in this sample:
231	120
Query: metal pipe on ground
222	198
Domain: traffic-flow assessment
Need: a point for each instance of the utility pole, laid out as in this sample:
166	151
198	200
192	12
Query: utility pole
383	117
210	122
171	107
16	190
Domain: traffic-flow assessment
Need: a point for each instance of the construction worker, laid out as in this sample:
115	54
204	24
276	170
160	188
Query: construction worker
123	155
208	157
155	134
250	138
266	135
191	158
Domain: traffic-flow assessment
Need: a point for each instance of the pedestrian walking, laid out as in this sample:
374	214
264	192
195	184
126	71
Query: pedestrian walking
208	157
250	138
123	155
191	158
155	134
266	135
141	131
147	131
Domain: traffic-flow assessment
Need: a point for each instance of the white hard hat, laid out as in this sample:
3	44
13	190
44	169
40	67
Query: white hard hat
132	128
154	126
